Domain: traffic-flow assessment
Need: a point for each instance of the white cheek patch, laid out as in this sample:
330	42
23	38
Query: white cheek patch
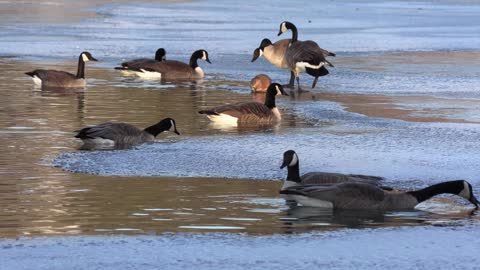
204	57
466	191
279	93
294	161
261	53
284	28
172	123
36	80
85	58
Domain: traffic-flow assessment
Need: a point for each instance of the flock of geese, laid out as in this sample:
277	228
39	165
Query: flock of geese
314	189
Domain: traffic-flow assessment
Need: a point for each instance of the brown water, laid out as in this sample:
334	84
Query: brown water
36	125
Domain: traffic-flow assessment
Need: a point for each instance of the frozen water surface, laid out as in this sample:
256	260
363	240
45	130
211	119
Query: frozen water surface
402	102
402	248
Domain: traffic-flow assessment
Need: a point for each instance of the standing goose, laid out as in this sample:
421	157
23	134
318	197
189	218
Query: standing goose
138	65
171	69
248	112
291	161
304	56
355	195
55	78
122	135
260	83
275	54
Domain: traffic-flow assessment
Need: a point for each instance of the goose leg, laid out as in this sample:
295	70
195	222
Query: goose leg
291	83
298	84
314	82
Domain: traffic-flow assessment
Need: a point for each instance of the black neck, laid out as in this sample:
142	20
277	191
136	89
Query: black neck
451	187
294	33
294	173
270	99
158	128
81	68
193	61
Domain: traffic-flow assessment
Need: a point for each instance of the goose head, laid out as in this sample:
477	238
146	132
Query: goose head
160	55
86	56
259	51
285	26
169	122
290	159
465	190
201	54
276	89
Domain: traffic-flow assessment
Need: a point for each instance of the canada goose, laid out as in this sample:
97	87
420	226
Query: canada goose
55	78
248	112
138	65
275	54
122	135
304	56
291	161
355	195
260	83
171	69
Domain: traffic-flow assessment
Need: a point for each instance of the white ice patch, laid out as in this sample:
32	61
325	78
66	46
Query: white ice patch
145	74
301	66
36	80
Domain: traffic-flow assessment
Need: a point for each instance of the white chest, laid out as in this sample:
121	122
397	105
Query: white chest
276	114
199	72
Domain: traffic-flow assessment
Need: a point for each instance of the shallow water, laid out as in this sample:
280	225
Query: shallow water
409	116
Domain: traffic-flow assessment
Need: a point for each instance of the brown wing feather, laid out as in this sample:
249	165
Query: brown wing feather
169	68
304	51
138	63
109	130
344	195
244	111
57	78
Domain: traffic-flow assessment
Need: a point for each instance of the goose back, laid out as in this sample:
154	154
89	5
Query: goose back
121	134
244	112
304	51
334	178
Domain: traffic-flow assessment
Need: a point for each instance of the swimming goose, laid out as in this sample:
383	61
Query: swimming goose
260	83
304	56
171	69
291	161
55	78
122	135
248	112
275	54
355	195
138	65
